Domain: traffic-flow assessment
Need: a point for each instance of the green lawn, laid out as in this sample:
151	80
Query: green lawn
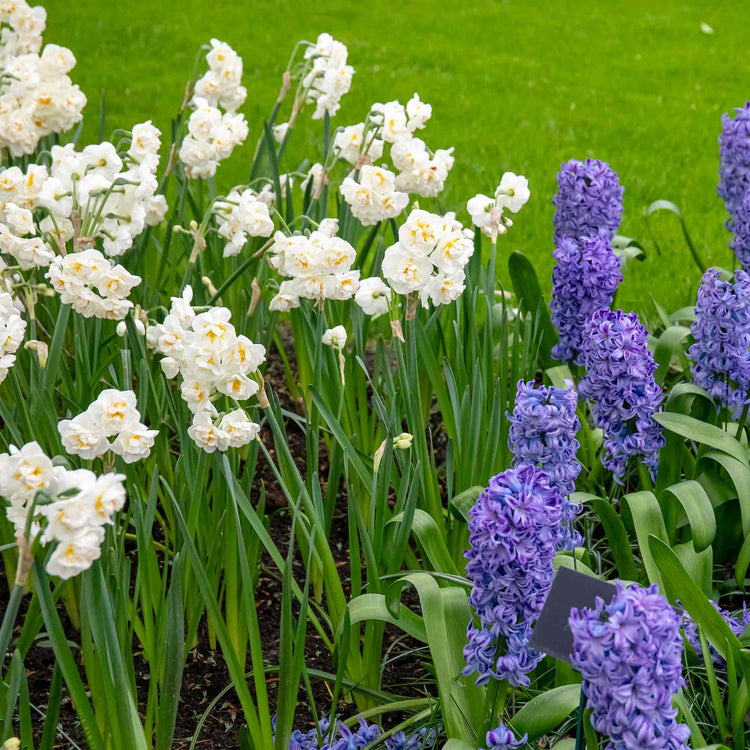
515	86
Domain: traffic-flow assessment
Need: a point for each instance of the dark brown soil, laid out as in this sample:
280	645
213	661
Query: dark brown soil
205	675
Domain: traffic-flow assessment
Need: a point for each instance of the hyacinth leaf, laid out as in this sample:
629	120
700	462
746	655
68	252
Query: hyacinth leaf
698	509
431	539
568	743
546	711
531	300
374	607
701	432
627	249
459	745
615	532
558	375
562	560
739	473
699	565
662	205
462	503
743	562
696	736
669	350
679	586
646	515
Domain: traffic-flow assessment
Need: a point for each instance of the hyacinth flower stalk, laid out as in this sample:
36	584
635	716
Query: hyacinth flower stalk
720	360
588	201
543	432
629	652
514	530
620	382
585	278
741	241
734	165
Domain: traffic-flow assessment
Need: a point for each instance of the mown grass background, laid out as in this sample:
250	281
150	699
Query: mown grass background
516	86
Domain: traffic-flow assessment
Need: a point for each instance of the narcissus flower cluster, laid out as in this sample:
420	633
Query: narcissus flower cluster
213	360
221	85
489	213
92	285
71	512
429	258
12	330
329	77
720	355
514	530
114	414
358	145
319	264
242	215
629	651
372	196
37	97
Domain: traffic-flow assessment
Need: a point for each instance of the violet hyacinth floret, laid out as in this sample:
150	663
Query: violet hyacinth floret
741	241
720	355
588	200
503	738
359	737
584	280
514	530
737	626
629	652
734	165
620	381
542	433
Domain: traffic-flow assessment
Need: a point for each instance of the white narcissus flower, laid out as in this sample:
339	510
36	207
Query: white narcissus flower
487	213
76	555
206	435
280	131
317	176
373	197
329	227
113	409
145	142
418	111
134	442
406	271
373	296
357	147
83	436
240	429
329	78
512	192
12	331
335	337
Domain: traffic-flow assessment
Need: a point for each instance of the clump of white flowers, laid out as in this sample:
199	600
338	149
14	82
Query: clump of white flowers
67	508
221	85
320	266
429	257
329	78
373	197
114	414
489	213
92	285
212	134
212	359
241	215
36	95
358	145
12	330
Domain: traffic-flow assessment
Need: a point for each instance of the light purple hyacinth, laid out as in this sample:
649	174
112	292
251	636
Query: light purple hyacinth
503	739
720	355
542	433
588	200
584	280
734	166
620	382
741	241
359	737
514	530
629	652
737	626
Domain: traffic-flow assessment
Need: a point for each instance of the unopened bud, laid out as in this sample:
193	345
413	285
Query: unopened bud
402	442
41	349
209	285
378	457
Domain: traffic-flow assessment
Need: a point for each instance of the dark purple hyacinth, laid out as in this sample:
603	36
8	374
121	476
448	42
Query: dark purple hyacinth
584	280
737	626
620	382
503	739
741	241
734	166
542	433
514	530
629	653
720	355
588	200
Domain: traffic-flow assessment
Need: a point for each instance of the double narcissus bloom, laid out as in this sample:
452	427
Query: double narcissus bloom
242	215
542	433
584	280
734	166
221	85
12	330
113	414
620	382
358	145
373	196
489	213
319	266
212	359
629	652
71	512
514	530
720	355
588	200
328	76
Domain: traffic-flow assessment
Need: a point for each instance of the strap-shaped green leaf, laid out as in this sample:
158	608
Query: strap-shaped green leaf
698	509
701	432
547	711
647	518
